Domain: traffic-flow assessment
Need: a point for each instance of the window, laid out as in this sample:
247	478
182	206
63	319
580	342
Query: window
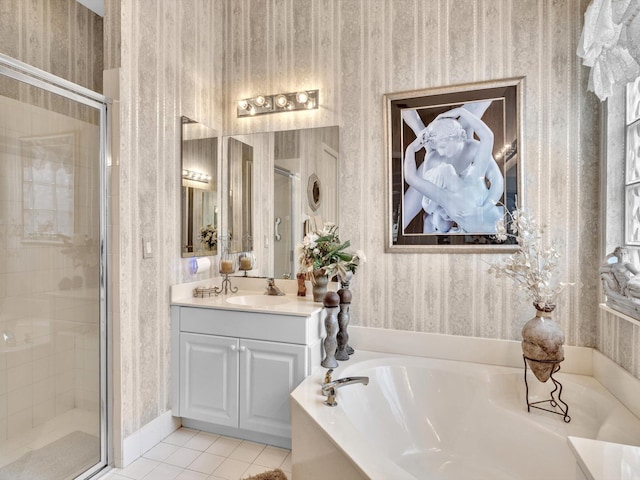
632	165
48	187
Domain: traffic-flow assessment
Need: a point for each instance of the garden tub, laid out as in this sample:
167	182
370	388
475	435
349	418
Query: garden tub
424	418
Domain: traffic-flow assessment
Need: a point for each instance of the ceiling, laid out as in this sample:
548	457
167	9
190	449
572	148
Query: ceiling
95	5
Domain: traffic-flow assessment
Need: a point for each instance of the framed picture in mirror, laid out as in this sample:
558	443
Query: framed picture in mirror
454	166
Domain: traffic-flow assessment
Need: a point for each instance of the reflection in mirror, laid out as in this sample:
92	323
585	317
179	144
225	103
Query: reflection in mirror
240	189
282	163
199	162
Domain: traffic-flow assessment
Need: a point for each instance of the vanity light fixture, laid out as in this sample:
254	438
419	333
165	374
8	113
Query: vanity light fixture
280	102
195	176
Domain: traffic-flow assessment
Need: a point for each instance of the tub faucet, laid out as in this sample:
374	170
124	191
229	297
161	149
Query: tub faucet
329	387
272	289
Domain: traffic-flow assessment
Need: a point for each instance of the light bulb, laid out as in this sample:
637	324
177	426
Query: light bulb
259	100
310	104
251	110
302	97
242	104
281	101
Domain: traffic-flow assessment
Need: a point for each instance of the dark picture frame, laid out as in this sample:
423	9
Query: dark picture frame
454	166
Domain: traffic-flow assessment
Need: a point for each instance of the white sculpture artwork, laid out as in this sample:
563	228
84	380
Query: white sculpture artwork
621	283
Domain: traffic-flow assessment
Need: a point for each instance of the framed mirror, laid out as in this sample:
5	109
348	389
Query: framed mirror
199	192
268	198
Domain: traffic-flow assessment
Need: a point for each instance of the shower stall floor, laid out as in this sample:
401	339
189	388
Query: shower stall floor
75	420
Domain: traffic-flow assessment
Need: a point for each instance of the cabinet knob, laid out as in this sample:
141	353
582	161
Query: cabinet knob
233	348
243	348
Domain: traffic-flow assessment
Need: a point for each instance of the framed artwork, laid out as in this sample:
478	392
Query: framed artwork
454	166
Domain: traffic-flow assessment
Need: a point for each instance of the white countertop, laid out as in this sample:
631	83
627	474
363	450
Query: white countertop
182	295
606	461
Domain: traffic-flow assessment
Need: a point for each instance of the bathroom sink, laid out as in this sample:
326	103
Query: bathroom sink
257	300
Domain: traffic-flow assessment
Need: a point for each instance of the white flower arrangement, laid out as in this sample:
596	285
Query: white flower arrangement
533	266
209	236
324	251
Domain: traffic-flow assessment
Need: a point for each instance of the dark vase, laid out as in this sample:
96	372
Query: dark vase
319	285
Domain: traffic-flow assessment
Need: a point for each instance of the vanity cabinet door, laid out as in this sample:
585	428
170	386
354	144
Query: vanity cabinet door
209	378
269	371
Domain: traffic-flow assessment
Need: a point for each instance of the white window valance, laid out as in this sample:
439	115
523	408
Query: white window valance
610	44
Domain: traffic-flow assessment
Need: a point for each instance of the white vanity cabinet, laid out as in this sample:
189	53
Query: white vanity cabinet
234	370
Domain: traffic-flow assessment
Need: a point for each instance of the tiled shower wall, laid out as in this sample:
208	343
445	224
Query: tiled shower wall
49	325
48	361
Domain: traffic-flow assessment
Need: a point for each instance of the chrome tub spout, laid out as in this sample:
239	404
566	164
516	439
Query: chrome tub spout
329	387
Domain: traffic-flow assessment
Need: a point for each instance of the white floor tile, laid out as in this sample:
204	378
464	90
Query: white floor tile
223	446
164	472
161	452
247	451
231	469
255	469
228	458
206	463
139	468
286	465
191	475
272	457
201	441
180	436
114	476
182	457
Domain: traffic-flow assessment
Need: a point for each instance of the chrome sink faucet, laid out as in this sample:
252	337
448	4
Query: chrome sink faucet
272	289
329	386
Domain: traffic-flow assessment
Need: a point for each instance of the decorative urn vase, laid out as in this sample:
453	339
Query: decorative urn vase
320	281
542	340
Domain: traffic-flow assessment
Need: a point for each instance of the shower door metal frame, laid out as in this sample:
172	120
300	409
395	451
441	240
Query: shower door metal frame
33	76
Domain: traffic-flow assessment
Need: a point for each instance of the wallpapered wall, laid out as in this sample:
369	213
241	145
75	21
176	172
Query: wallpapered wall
354	52
170	66
171	58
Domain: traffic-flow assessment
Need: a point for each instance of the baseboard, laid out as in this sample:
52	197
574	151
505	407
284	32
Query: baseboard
141	441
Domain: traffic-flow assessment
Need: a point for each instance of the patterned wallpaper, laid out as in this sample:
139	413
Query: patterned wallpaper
176	60
355	51
58	36
170	66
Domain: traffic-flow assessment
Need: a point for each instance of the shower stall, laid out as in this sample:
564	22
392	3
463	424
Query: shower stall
53	160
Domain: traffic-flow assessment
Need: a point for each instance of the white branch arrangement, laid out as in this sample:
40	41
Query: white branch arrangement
533	267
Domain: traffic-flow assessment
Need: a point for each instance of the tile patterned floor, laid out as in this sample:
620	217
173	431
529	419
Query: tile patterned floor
189	454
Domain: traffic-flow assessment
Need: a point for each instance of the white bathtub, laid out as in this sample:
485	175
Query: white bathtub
422	418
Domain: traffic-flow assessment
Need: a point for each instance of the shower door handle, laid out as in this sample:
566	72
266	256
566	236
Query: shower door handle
278	221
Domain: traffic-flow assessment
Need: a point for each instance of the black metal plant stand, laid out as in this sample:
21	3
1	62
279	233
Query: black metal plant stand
555	401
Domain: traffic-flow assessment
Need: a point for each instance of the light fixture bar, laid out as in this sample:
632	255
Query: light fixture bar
279	102
195	176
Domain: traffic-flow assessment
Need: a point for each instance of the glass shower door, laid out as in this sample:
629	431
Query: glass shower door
52	295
